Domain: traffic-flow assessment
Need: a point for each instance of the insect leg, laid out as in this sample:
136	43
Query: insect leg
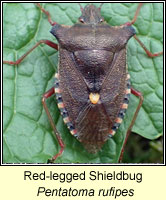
46	95
47	42
47	14
142	45
140	96
151	55
136	14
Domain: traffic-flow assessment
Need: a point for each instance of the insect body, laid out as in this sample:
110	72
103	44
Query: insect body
93	83
92	86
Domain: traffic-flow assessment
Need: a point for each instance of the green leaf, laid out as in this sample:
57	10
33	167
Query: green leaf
27	134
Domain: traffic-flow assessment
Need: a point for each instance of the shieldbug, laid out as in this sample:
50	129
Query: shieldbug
90	96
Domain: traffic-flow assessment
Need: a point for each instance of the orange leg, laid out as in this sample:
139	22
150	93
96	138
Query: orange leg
47	14
46	95
47	42
138	94
151	55
141	44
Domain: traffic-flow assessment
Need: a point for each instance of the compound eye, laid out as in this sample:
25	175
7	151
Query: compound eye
81	20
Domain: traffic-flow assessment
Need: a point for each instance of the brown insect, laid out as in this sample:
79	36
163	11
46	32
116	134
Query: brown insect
92	85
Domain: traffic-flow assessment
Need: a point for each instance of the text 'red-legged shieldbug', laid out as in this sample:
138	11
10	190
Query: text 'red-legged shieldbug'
92	87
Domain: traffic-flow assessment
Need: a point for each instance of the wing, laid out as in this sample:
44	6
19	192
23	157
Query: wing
93	124
72	86
114	86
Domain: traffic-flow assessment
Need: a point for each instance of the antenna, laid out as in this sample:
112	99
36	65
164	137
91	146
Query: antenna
100	6
81	8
